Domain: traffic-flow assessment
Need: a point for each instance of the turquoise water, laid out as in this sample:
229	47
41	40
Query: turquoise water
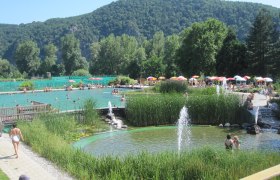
64	100
55	82
160	139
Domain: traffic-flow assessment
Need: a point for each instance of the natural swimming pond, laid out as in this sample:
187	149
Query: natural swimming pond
160	139
64	100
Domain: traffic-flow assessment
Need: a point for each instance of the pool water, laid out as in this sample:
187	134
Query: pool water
64	100
161	139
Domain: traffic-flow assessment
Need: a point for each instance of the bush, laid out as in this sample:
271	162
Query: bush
171	86
81	72
90	114
122	80
28	85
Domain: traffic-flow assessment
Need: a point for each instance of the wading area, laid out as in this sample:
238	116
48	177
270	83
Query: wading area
156	117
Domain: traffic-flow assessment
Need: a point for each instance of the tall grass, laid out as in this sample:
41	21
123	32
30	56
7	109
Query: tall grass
202	91
216	109
156	109
204	163
171	86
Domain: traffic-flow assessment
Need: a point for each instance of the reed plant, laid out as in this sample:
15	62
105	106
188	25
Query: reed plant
202	91
171	86
216	109
153	109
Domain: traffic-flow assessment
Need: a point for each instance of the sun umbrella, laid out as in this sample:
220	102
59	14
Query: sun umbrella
195	76
267	79
240	79
247	77
230	79
161	78
259	79
71	81
181	78
173	78
237	77
151	78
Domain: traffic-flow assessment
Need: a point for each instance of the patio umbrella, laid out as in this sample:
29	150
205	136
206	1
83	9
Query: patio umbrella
151	78
259	79
161	78
237	77
267	79
181	78
230	79
173	78
195	76
240	79
247	77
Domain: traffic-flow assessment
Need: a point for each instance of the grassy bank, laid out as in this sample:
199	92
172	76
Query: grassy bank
205	163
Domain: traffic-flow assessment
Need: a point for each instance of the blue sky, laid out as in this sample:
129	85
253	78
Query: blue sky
27	11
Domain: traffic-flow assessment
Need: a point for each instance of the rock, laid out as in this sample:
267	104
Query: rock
227	125
255	129
221	125
124	126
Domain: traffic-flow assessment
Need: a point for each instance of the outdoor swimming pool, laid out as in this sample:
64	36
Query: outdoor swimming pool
161	139
64	100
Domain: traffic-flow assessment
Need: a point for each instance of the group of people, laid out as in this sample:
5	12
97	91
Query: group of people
232	143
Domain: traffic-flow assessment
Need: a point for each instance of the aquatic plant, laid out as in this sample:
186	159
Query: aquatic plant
171	86
153	109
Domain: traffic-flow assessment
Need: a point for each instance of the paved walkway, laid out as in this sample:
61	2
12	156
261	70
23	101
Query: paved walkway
28	163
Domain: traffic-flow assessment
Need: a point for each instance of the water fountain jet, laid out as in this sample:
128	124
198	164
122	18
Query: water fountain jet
183	131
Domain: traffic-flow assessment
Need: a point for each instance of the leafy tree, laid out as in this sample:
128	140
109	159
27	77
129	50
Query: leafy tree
172	44
260	43
5	68
81	72
50	51
71	54
231	59
27	57
202	42
153	67
136	65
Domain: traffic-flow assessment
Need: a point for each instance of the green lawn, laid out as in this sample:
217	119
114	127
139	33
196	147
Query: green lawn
3	176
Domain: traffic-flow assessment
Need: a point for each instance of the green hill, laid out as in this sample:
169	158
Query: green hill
132	17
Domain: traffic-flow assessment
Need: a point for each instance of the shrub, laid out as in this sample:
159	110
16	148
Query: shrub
90	114
26	84
81	72
122	80
202	91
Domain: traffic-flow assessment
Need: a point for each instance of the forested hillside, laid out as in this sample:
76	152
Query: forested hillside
140	18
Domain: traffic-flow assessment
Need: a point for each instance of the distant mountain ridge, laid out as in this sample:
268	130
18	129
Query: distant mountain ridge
132	17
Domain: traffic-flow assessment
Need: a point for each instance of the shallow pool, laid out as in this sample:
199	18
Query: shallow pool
160	139
64	100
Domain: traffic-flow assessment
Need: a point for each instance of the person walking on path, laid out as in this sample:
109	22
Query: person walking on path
16	135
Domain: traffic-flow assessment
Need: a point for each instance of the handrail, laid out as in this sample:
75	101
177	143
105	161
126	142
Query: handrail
265	174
